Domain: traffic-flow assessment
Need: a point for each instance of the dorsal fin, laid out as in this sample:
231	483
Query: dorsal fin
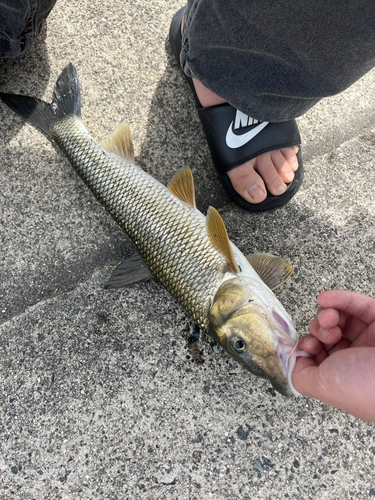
182	186
120	143
218	237
271	269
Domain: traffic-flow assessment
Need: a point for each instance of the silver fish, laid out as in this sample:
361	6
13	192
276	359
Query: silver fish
226	294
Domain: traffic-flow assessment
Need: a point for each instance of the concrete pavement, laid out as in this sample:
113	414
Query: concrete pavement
101	394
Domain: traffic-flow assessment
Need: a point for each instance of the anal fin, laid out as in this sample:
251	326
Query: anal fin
131	270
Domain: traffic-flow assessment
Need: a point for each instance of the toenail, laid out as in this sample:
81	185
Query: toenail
296	149
280	189
290	175
255	191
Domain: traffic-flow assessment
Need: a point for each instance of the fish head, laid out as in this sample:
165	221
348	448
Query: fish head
250	324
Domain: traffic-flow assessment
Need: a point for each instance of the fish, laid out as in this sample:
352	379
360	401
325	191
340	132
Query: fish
227	294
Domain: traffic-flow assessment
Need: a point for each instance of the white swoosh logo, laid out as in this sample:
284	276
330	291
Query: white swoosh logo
236	141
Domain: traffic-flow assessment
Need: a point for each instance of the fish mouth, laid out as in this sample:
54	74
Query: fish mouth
287	349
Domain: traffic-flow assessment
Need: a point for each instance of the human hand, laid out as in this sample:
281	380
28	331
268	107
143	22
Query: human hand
341	370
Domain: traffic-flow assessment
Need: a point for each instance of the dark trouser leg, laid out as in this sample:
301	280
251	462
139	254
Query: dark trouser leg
20	22
273	60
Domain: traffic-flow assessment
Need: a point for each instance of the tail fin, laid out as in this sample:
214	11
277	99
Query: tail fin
66	101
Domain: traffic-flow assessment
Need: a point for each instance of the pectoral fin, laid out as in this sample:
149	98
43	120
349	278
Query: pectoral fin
271	269
182	186
120	143
131	270
218	236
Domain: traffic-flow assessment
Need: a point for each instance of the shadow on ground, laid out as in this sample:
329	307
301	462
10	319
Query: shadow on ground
175	139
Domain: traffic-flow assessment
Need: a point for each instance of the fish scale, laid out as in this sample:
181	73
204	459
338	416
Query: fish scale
169	235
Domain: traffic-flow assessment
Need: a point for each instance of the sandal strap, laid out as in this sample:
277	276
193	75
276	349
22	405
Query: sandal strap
235	138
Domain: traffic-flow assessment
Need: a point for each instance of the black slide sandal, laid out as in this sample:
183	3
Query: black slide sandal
229	148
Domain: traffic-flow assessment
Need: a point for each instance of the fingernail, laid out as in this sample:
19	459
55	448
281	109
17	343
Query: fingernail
255	191
323	332
296	149
302	342
320	312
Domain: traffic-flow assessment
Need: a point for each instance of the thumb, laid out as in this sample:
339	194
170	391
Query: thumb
306	377
346	379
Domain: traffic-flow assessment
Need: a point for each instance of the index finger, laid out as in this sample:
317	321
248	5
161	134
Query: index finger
356	304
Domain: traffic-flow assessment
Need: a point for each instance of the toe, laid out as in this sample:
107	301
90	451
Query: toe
290	155
248	183
282	166
268	171
274	170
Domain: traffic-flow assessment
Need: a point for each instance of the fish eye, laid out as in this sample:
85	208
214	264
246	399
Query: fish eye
239	345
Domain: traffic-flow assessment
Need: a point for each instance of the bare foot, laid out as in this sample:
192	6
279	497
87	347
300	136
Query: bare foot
273	169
